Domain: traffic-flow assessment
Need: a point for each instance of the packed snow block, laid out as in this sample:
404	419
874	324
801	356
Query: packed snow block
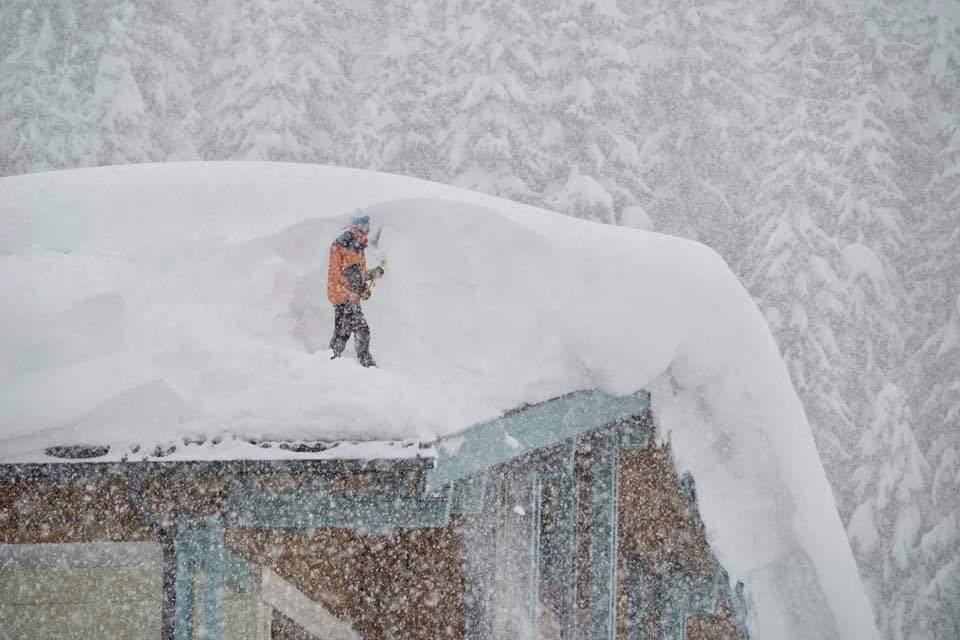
154	402
310	311
88	329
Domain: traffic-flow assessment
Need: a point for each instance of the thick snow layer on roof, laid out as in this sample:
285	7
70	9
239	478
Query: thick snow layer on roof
147	303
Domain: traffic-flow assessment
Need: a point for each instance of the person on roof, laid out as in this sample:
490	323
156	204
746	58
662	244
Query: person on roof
348	283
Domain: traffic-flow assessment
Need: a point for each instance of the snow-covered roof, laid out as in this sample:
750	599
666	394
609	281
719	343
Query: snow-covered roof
151	303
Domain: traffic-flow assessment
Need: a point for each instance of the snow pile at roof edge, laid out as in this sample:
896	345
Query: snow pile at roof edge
207	279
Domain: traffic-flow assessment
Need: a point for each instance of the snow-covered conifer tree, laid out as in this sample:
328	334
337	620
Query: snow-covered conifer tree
404	66
885	528
167	69
42	122
934	615
117	107
590	128
699	115
278	89
794	267
489	105
869	218
935	370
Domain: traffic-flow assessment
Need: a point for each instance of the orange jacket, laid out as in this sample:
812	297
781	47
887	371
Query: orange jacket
347	273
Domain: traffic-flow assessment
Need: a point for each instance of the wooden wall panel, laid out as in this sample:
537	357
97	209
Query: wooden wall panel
656	525
77	511
80	591
717	626
405	586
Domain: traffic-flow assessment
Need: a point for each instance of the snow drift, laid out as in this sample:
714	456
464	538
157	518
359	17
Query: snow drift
153	303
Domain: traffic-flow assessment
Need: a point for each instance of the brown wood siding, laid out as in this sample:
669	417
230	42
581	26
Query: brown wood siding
582	470
197	497
80	511
717	626
406	586
656	525
283	628
102	507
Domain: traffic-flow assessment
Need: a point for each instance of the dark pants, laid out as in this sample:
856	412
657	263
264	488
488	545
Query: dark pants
348	319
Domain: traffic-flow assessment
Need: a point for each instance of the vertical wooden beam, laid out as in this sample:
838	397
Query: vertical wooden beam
646	599
739	603
214	570
480	535
264	620
516	556
602	579
533	584
635	623
199	548
138	500
637	431
560	544
571	543
186	560
674	613
168	614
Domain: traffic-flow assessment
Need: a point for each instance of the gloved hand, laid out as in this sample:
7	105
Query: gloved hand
372	276
377	272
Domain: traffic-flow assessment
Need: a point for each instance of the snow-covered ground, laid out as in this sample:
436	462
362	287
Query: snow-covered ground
149	304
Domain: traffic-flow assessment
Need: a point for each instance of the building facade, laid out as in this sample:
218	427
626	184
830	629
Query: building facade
564	520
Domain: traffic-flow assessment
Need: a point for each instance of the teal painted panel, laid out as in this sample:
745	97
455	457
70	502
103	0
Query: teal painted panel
485	445
200	546
533	586
480	535
739	603
214	569
604	519
516	555
468	495
685	595
188	552
306	510
645	600
702	597
240	575
636	431
558	552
